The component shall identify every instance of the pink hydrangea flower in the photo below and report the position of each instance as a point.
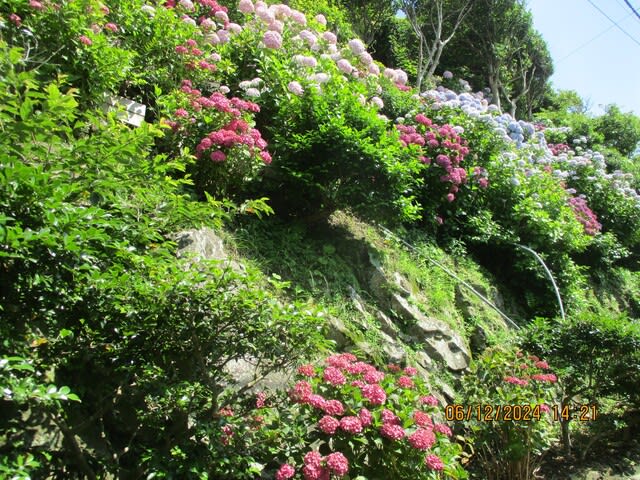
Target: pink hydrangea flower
(316, 401)
(374, 393)
(223, 35)
(112, 27)
(405, 382)
(351, 424)
(329, 424)
(356, 46)
(366, 58)
(307, 370)
(377, 101)
(345, 66)
(365, 417)
(422, 439)
(285, 472)
(338, 463)
(517, 381)
(298, 17)
(321, 19)
(301, 391)
(389, 417)
(313, 459)
(272, 39)
(373, 376)
(276, 26)
(334, 376)
(330, 37)
(442, 428)
(423, 419)
(15, 19)
(312, 472)
(245, 6)
(411, 371)
(218, 156)
(333, 407)
(261, 398)
(295, 88)
(222, 16)
(392, 432)
(85, 40)
(433, 462)
(36, 5)
(544, 377)
(341, 360)
(207, 24)
(266, 157)
(429, 400)
(542, 364)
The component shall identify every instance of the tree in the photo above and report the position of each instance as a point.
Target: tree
(435, 23)
(526, 78)
(498, 46)
(368, 17)
(620, 130)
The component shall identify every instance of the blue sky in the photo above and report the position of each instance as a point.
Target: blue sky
(590, 54)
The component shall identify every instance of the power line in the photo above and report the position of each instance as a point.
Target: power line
(614, 22)
(588, 42)
(632, 9)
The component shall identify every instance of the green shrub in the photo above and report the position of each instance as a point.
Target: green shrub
(346, 417)
(597, 355)
(94, 298)
(506, 403)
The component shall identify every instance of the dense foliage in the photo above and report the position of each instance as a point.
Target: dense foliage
(115, 343)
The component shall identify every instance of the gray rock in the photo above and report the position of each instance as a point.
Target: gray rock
(244, 372)
(402, 284)
(204, 244)
(379, 286)
(392, 349)
(440, 342)
(357, 300)
(386, 324)
(478, 340)
(338, 332)
(424, 360)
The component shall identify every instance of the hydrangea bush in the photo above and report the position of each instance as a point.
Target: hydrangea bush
(347, 418)
(506, 403)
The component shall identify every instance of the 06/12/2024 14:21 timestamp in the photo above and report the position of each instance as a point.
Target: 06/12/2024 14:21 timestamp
(520, 413)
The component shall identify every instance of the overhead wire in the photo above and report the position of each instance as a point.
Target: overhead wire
(632, 9)
(614, 22)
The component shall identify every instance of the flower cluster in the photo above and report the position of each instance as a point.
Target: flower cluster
(529, 370)
(438, 145)
(585, 215)
(235, 131)
(333, 396)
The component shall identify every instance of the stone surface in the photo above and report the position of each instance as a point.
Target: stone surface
(338, 332)
(392, 349)
(440, 342)
(357, 300)
(244, 372)
(478, 340)
(403, 286)
(204, 244)
(386, 324)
